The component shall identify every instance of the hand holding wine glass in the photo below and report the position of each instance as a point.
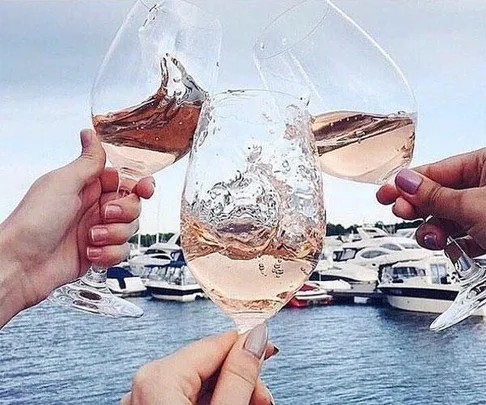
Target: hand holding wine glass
(252, 209)
(145, 107)
(451, 194)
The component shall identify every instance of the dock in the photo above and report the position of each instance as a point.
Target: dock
(357, 294)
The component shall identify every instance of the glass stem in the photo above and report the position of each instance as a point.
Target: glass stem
(96, 275)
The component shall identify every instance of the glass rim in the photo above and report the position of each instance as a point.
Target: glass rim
(291, 44)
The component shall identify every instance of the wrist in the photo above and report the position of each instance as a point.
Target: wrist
(12, 298)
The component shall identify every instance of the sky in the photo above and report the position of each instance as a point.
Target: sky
(51, 51)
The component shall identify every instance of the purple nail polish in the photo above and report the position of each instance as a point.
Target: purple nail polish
(430, 241)
(408, 181)
(94, 253)
(99, 234)
(113, 212)
(256, 341)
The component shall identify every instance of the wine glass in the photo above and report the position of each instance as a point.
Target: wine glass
(253, 218)
(363, 108)
(145, 105)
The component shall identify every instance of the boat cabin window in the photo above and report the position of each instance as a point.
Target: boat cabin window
(348, 254)
(391, 246)
(438, 273)
(400, 273)
(373, 253)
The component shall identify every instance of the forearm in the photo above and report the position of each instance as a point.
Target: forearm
(11, 294)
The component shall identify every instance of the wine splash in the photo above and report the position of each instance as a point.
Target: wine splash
(159, 131)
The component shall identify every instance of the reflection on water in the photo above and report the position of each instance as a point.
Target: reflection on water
(329, 355)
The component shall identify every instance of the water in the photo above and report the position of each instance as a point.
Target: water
(329, 355)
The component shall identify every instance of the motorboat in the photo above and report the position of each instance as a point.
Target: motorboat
(173, 282)
(311, 293)
(123, 283)
(421, 286)
(360, 261)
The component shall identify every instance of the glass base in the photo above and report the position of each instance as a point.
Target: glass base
(78, 295)
(246, 321)
(470, 299)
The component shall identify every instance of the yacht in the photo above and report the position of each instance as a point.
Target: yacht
(123, 283)
(421, 286)
(360, 261)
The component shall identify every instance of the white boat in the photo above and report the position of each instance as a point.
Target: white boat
(122, 282)
(173, 282)
(360, 261)
(421, 286)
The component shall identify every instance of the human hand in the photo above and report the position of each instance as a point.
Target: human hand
(219, 370)
(452, 193)
(70, 218)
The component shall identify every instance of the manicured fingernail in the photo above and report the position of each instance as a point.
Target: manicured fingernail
(94, 253)
(256, 341)
(113, 212)
(270, 396)
(99, 234)
(430, 241)
(86, 138)
(276, 350)
(408, 181)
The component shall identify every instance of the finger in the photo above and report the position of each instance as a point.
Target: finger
(387, 194)
(182, 374)
(241, 368)
(112, 234)
(433, 233)
(145, 188)
(122, 210)
(90, 164)
(105, 256)
(126, 399)
(403, 209)
(109, 180)
(460, 171)
(431, 199)
(261, 395)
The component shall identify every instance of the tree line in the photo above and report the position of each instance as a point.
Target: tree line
(331, 230)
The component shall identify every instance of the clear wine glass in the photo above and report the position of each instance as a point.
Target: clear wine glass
(253, 218)
(145, 104)
(363, 107)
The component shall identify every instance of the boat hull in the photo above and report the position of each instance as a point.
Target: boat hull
(168, 292)
(422, 299)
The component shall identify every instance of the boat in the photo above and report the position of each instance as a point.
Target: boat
(421, 286)
(361, 261)
(173, 282)
(311, 293)
(123, 283)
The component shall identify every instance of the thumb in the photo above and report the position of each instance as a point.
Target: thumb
(90, 164)
(240, 371)
(431, 199)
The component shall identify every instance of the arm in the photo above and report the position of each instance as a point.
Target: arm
(54, 234)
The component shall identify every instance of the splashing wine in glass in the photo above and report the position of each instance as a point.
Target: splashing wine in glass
(146, 103)
(253, 218)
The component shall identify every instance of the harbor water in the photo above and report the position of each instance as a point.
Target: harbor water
(337, 354)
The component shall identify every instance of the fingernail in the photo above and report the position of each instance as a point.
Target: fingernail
(86, 138)
(112, 212)
(272, 399)
(94, 253)
(99, 234)
(276, 350)
(408, 181)
(256, 341)
(430, 241)
(154, 183)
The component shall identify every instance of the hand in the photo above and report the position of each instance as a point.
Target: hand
(218, 370)
(70, 218)
(452, 193)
